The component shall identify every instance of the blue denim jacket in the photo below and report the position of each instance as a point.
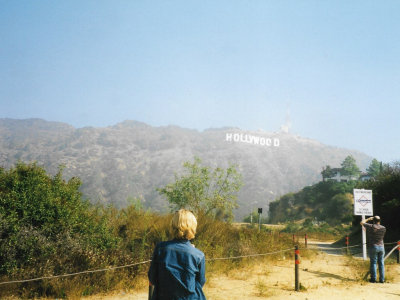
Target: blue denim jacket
(177, 271)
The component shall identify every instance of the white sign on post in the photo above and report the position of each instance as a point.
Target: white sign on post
(363, 202)
(363, 207)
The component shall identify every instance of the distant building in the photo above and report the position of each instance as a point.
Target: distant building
(365, 177)
(336, 175)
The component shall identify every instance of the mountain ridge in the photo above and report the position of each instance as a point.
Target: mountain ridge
(132, 159)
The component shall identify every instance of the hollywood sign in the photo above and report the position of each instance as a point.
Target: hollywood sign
(252, 139)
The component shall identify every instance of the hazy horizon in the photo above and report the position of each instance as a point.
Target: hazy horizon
(328, 70)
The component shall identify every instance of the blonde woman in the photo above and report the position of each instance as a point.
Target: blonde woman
(177, 270)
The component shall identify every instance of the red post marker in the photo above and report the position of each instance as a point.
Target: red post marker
(347, 241)
(305, 240)
(151, 291)
(297, 257)
(398, 252)
(296, 268)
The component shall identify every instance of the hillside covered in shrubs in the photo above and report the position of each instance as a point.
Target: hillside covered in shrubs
(332, 201)
(133, 159)
(48, 229)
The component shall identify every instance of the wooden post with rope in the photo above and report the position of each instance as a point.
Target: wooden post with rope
(151, 291)
(296, 268)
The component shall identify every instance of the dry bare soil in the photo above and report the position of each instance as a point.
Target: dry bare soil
(322, 276)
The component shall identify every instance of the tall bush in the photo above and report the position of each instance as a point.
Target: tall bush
(44, 221)
(386, 198)
(205, 191)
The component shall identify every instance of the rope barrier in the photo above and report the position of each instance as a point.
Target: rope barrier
(331, 248)
(391, 251)
(359, 245)
(147, 261)
(77, 273)
(250, 255)
(391, 243)
(131, 265)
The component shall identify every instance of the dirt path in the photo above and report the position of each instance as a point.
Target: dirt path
(329, 248)
(322, 277)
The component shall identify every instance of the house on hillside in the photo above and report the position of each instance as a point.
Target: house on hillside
(365, 176)
(336, 174)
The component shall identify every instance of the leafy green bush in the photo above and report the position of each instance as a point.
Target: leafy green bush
(386, 199)
(329, 201)
(45, 226)
(205, 190)
(46, 229)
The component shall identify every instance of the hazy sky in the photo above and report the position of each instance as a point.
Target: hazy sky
(199, 64)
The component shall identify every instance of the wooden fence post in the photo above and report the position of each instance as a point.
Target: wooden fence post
(151, 291)
(296, 268)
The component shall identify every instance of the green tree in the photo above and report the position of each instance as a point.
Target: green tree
(349, 166)
(328, 201)
(205, 190)
(340, 209)
(386, 196)
(43, 220)
(375, 167)
(327, 172)
(283, 209)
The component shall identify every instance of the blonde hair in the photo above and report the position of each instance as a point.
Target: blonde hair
(184, 225)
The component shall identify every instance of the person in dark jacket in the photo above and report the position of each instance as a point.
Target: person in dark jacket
(376, 249)
(177, 270)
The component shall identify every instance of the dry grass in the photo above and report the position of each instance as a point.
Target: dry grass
(321, 277)
(140, 231)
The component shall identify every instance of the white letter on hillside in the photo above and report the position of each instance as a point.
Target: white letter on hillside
(229, 137)
(251, 139)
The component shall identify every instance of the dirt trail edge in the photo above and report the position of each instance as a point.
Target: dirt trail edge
(322, 277)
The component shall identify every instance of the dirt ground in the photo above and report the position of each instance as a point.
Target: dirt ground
(322, 276)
